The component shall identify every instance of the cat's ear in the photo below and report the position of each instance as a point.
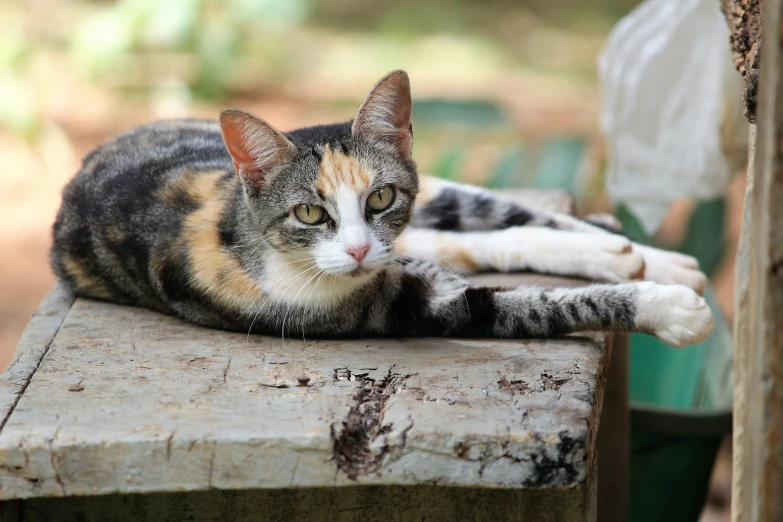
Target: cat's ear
(259, 150)
(385, 115)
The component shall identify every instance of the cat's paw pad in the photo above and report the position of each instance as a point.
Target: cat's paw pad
(672, 268)
(674, 314)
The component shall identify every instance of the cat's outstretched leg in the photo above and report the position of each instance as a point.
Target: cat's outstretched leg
(597, 257)
(452, 207)
(429, 302)
(661, 266)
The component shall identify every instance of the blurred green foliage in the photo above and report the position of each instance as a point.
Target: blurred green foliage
(215, 35)
(415, 17)
(210, 48)
(17, 108)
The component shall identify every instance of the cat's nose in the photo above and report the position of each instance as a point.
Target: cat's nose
(358, 252)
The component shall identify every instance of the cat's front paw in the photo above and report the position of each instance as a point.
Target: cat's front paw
(608, 258)
(674, 314)
(672, 268)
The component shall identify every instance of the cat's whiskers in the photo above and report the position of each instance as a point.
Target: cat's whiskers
(252, 252)
(286, 280)
(284, 284)
(253, 242)
(302, 260)
(290, 280)
(290, 306)
(280, 284)
(256, 243)
(307, 300)
(253, 305)
(293, 302)
(260, 237)
(454, 269)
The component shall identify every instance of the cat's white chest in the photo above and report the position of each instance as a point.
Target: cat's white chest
(300, 282)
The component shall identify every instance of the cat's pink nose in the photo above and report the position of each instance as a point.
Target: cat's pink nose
(358, 252)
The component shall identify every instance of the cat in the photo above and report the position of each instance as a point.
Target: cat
(328, 231)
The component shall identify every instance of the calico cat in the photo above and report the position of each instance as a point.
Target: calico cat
(328, 231)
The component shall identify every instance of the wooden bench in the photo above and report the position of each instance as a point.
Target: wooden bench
(103, 403)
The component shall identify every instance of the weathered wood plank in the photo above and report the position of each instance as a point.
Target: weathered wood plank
(170, 407)
(33, 345)
(614, 441)
(613, 438)
(742, 343)
(759, 377)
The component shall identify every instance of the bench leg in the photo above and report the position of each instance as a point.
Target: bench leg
(614, 438)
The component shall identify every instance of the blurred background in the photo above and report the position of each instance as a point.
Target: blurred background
(506, 95)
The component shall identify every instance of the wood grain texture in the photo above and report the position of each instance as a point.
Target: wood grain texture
(759, 383)
(32, 348)
(742, 340)
(170, 407)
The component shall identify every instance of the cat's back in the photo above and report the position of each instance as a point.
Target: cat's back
(153, 154)
(126, 206)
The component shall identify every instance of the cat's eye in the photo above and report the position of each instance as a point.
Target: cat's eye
(310, 214)
(381, 199)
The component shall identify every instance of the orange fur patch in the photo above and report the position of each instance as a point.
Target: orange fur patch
(457, 256)
(85, 282)
(199, 187)
(213, 269)
(340, 169)
(429, 186)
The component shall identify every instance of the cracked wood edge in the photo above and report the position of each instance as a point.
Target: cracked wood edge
(32, 347)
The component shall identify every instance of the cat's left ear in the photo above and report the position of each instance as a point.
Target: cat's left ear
(385, 115)
(259, 150)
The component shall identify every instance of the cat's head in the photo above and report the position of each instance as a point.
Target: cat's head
(335, 195)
